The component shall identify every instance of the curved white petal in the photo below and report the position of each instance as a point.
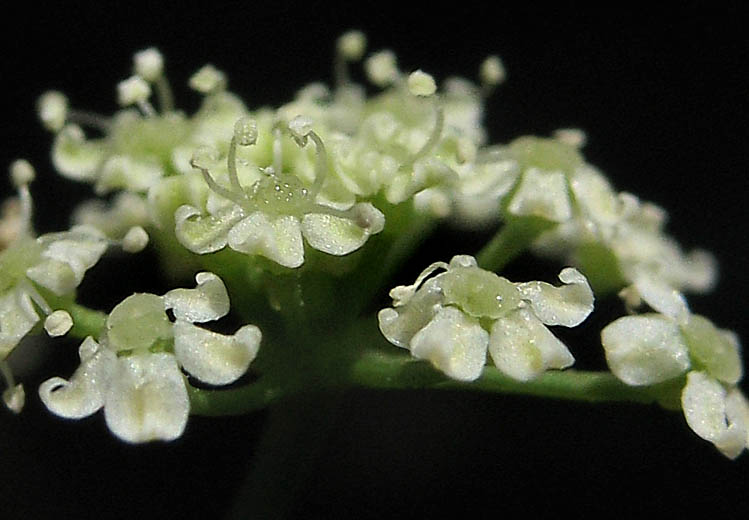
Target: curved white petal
(454, 343)
(147, 399)
(340, 236)
(400, 324)
(205, 233)
(660, 296)
(214, 358)
(737, 412)
(207, 302)
(568, 305)
(17, 318)
(85, 393)
(523, 348)
(14, 398)
(542, 194)
(645, 349)
(74, 156)
(704, 403)
(67, 257)
(128, 173)
(279, 240)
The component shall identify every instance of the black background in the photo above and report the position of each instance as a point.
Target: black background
(662, 95)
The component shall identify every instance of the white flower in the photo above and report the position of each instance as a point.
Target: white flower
(652, 348)
(452, 319)
(133, 372)
(271, 216)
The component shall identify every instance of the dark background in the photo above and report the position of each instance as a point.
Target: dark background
(662, 95)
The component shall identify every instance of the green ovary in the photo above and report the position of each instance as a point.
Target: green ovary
(138, 322)
(479, 293)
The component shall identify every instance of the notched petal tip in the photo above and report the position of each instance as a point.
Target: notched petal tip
(207, 302)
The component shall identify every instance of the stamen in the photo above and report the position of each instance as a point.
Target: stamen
(53, 110)
(58, 323)
(199, 161)
(421, 84)
(149, 64)
(433, 140)
(90, 119)
(349, 48)
(135, 91)
(277, 149)
(245, 134)
(491, 73)
(301, 128)
(135, 240)
(381, 69)
(208, 80)
(22, 173)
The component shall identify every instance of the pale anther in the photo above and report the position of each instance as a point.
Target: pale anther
(149, 64)
(53, 109)
(421, 84)
(21, 172)
(133, 91)
(135, 240)
(351, 45)
(58, 323)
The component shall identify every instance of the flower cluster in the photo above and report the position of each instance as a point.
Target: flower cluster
(655, 347)
(133, 371)
(273, 199)
(37, 275)
(452, 319)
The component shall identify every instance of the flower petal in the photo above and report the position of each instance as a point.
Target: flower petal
(208, 302)
(340, 236)
(205, 233)
(454, 343)
(279, 240)
(704, 403)
(523, 348)
(68, 256)
(568, 305)
(716, 351)
(214, 358)
(147, 399)
(401, 324)
(74, 156)
(542, 194)
(17, 318)
(128, 173)
(645, 349)
(85, 393)
(660, 296)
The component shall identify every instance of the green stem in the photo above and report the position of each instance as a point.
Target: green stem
(86, 322)
(513, 239)
(398, 372)
(244, 399)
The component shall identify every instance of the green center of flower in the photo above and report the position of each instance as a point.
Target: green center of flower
(138, 323)
(280, 195)
(479, 293)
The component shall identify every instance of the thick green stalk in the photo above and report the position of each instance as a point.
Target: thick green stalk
(514, 238)
(399, 372)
